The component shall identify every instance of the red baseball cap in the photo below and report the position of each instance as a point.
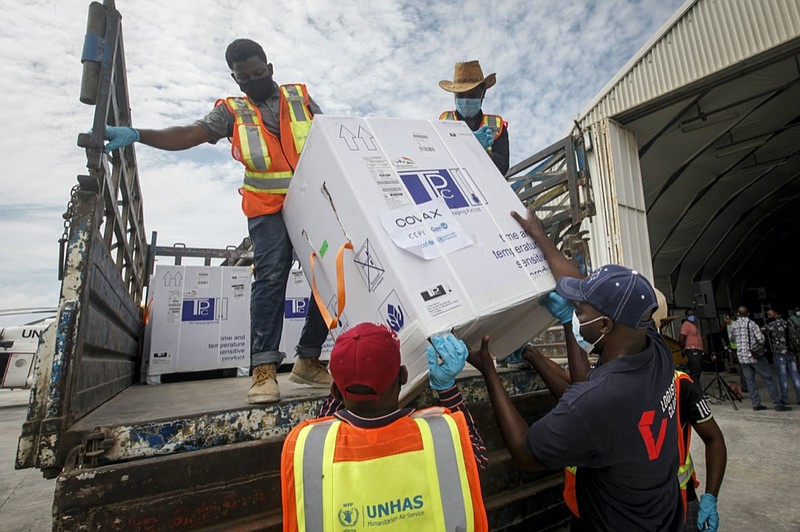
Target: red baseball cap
(366, 355)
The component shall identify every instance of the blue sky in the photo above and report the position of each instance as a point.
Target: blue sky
(358, 57)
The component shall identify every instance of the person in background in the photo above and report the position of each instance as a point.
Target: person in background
(469, 87)
(692, 344)
(749, 338)
(373, 463)
(794, 317)
(267, 128)
(785, 362)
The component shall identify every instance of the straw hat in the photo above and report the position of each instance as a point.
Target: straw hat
(466, 77)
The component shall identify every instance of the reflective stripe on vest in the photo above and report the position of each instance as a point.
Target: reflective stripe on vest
(493, 122)
(685, 472)
(330, 495)
(251, 149)
(299, 115)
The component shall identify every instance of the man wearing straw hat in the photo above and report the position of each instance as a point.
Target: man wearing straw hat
(469, 87)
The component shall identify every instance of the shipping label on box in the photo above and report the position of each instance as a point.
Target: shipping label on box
(434, 245)
(200, 318)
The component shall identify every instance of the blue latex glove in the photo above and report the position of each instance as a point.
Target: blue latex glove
(707, 516)
(120, 137)
(560, 308)
(485, 136)
(453, 353)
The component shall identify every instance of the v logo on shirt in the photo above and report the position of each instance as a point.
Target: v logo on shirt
(646, 429)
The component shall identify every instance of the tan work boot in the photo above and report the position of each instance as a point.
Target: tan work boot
(265, 385)
(312, 372)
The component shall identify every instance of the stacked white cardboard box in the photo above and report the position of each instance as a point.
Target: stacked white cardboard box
(434, 247)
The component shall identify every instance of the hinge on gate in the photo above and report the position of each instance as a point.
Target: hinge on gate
(88, 453)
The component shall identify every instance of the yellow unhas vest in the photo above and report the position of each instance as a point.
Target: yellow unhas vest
(357, 496)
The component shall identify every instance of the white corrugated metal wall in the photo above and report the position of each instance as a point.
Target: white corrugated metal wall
(618, 234)
(702, 38)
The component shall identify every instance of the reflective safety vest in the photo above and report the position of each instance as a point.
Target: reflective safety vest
(269, 162)
(493, 122)
(418, 473)
(685, 471)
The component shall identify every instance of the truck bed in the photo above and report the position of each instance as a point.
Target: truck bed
(143, 403)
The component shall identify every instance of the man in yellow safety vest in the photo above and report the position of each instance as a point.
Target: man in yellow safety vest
(374, 465)
(267, 128)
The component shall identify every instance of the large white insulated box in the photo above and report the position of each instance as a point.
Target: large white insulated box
(434, 247)
(294, 315)
(199, 319)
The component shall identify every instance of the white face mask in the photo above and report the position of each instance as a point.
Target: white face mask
(576, 331)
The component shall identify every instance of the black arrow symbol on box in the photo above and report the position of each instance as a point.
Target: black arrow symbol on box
(352, 138)
(349, 137)
(366, 136)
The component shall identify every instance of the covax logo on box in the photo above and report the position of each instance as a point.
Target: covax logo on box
(454, 186)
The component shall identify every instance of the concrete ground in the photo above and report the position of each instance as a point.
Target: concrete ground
(760, 490)
(26, 499)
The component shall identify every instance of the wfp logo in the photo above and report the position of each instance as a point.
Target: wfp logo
(395, 317)
(348, 515)
(198, 309)
(454, 186)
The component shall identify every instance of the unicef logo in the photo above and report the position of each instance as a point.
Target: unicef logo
(348, 515)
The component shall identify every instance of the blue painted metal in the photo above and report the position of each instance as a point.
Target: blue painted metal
(205, 431)
(93, 46)
(65, 332)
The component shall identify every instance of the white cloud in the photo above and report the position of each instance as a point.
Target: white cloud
(358, 57)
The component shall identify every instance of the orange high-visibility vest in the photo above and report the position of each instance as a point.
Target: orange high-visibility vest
(685, 471)
(418, 473)
(269, 162)
(493, 122)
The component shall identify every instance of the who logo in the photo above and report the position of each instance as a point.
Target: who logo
(455, 186)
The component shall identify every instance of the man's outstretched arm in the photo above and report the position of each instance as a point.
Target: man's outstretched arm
(174, 138)
(559, 264)
(512, 425)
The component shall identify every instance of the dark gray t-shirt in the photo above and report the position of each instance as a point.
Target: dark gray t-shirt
(219, 122)
(619, 428)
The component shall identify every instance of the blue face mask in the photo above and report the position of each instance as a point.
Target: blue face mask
(576, 332)
(691, 318)
(468, 107)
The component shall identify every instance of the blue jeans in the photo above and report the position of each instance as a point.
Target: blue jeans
(272, 257)
(762, 368)
(787, 368)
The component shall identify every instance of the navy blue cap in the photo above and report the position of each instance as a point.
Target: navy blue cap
(620, 293)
